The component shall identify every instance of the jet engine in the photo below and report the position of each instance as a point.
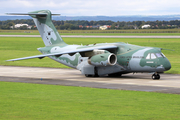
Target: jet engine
(103, 59)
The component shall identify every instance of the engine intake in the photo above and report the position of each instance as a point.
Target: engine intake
(103, 59)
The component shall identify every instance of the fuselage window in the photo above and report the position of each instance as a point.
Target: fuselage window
(153, 56)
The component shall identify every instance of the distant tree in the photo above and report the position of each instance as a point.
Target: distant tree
(23, 27)
(33, 28)
(72, 27)
(74, 24)
(62, 27)
(10, 25)
(113, 26)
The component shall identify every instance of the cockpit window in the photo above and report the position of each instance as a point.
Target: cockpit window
(153, 56)
(148, 56)
(159, 55)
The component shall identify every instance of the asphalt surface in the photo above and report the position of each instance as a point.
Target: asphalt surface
(94, 36)
(70, 77)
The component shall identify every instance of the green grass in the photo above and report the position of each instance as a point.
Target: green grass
(19, 32)
(21, 47)
(125, 34)
(140, 32)
(35, 101)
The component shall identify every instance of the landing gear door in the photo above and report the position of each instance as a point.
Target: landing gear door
(84, 67)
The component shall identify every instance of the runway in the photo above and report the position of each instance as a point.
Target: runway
(94, 36)
(70, 77)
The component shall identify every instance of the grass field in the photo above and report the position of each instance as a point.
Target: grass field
(37, 101)
(146, 32)
(22, 47)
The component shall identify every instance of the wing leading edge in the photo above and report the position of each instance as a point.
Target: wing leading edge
(67, 52)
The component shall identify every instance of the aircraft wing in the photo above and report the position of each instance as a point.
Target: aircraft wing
(80, 50)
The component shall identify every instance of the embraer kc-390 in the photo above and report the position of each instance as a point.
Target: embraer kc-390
(112, 59)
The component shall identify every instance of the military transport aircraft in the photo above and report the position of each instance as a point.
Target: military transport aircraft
(112, 59)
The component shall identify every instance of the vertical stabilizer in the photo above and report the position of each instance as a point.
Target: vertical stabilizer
(46, 28)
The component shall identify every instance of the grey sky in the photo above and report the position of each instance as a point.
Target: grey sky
(93, 7)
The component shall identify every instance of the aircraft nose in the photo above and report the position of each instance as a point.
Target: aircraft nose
(167, 64)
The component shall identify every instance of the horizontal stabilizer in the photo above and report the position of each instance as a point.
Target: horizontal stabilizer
(40, 14)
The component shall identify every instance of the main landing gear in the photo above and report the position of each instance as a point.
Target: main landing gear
(95, 73)
(114, 74)
(155, 76)
(87, 75)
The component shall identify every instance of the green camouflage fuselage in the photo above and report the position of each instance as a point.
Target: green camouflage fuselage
(96, 59)
(130, 58)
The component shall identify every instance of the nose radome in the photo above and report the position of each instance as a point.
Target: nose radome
(167, 65)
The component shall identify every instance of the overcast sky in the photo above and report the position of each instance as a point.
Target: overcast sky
(93, 7)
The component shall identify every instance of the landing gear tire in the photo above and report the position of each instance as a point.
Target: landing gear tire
(96, 75)
(155, 76)
(87, 75)
(114, 75)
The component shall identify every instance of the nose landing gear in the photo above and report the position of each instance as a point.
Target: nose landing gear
(155, 76)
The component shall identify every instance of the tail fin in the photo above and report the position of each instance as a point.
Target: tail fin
(45, 27)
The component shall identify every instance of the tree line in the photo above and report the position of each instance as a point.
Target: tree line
(84, 24)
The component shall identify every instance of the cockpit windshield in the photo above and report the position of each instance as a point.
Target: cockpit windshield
(159, 55)
(155, 55)
(148, 56)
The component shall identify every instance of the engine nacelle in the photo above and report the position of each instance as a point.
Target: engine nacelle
(103, 59)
